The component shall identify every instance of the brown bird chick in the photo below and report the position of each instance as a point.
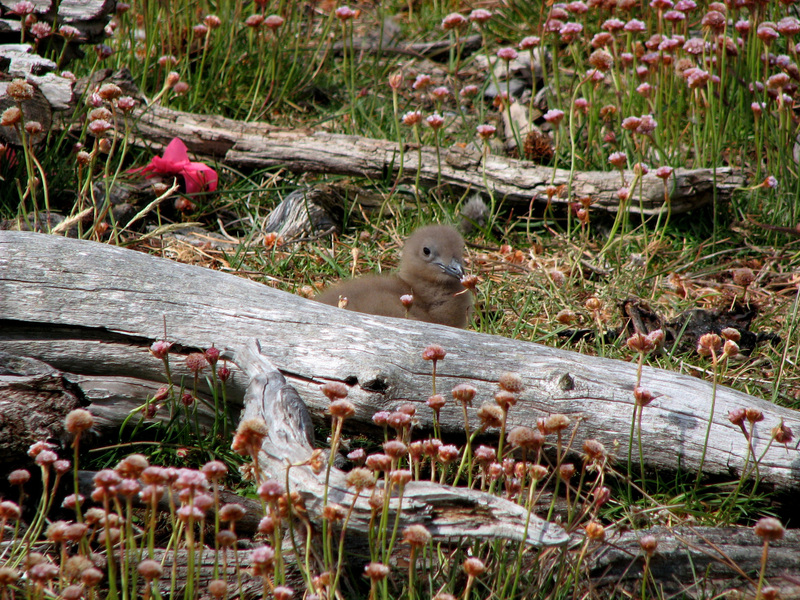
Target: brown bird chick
(431, 269)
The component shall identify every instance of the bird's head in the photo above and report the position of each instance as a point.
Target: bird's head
(433, 253)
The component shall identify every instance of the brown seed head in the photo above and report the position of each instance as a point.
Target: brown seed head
(91, 577)
(360, 479)
(511, 382)
(217, 588)
(132, 466)
(379, 462)
(249, 435)
(737, 416)
(594, 450)
(730, 348)
(729, 333)
(601, 60)
(334, 513)
(595, 531)
(781, 433)
(9, 511)
(464, 393)
(231, 512)
(78, 421)
(400, 477)
(505, 399)
(431, 447)
(196, 362)
(399, 420)
(474, 567)
(334, 390)
(640, 343)
(11, 116)
(447, 453)
(490, 415)
(19, 477)
(557, 422)
(642, 396)
(648, 543)
(19, 90)
(408, 408)
(602, 495)
(433, 352)
(109, 91)
(376, 571)
(743, 277)
(708, 343)
(342, 409)
(436, 402)
(416, 535)
(149, 569)
(566, 471)
(566, 316)
(226, 538)
(769, 529)
(525, 437)
(754, 415)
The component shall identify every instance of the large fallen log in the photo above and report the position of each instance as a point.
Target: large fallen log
(518, 184)
(93, 310)
(514, 182)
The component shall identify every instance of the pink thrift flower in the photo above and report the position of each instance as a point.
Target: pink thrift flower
(435, 121)
(486, 131)
(453, 21)
(530, 42)
(554, 116)
(507, 54)
(480, 16)
(664, 172)
(345, 13)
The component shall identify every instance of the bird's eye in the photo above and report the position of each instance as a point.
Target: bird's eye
(426, 251)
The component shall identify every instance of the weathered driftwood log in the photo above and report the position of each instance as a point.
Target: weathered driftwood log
(93, 309)
(698, 562)
(258, 145)
(447, 512)
(89, 17)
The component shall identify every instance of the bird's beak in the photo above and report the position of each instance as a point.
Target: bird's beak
(454, 269)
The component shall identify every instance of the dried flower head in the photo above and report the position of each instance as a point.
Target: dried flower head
(249, 436)
(557, 422)
(491, 415)
(453, 21)
(149, 569)
(78, 421)
(342, 409)
(781, 433)
(743, 277)
(19, 90)
(334, 390)
(360, 479)
(376, 571)
(525, 437)
(474, 567)
(11, 116)
(416, 535)
(464, 393)
(709, 343)
(594, 451)
(769, 529)
(595, 531)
